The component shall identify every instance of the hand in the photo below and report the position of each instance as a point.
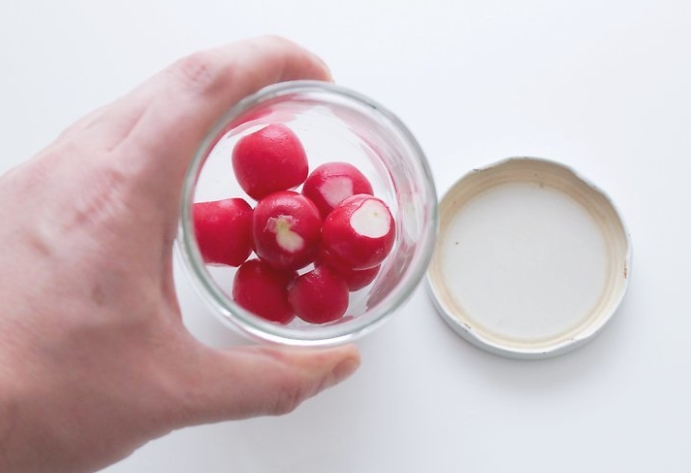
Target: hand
(94, 358)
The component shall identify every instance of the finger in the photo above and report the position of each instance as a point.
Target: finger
(260, 380)
(191, 95)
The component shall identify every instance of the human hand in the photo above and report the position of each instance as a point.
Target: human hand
(94, 358)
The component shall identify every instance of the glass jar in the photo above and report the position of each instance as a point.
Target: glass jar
(333, 124)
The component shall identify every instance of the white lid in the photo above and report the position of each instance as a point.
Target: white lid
(531, 259)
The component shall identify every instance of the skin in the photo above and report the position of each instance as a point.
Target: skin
(94, 358)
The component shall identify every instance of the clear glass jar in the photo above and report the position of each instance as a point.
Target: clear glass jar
(333, 124)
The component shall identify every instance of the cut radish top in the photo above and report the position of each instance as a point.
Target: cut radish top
(336, 190)
(359, 232)
(331, 183)
(287, 230)
(372, 219)
(286, 238)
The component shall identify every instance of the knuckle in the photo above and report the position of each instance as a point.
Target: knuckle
(197, 71)
(292, 389)
(100, 199)
(295, 390)
(288, 399)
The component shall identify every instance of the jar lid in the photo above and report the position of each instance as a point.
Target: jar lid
(531, 261)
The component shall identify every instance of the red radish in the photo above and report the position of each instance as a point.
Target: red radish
(287, 230)
(331, 183)
(354, 279)
(224, 230)
(269, 160)
(319, 296)
(359, 232)
(263, 290)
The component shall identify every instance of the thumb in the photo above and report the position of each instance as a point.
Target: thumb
(261, 380)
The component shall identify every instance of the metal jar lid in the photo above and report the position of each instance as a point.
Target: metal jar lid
(531, 261)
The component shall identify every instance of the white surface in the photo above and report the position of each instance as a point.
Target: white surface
(602, 86)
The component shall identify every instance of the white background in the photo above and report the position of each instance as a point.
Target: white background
(603, 86)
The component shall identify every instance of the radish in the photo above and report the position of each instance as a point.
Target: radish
(269, 160)
(359, 232)
(287, 230)
(223, 229)
(263, 290)
(355, 279)
(319, 296)
(331, 183)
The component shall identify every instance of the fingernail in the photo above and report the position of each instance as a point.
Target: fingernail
(326, 68)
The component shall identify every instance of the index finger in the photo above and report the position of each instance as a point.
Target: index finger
(162, 122)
